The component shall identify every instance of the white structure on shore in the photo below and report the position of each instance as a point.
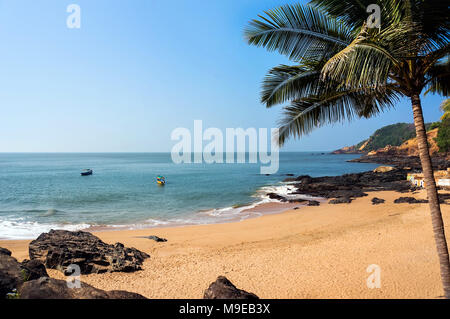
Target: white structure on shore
(442, 178)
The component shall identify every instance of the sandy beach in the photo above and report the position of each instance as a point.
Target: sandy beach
(311, 252)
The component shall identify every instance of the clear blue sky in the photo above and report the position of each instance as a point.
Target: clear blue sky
(138, 69)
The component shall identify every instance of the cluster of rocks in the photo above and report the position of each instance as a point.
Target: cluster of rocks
(344, 188)
(410, 200)
(29, 280)
(377, 201)
(404, 161)
(58, 249)
(295, 200)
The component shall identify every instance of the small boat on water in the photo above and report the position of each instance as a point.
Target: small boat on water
(161, 180)
(86, 172)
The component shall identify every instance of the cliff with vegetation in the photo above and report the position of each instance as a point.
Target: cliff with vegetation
(380, 148)
(394, 135)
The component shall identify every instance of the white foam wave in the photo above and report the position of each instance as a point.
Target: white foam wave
(19, 229)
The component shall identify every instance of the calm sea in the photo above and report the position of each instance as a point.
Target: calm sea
(43, 191)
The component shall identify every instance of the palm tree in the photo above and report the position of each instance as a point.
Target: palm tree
(445, 107)
(345, 69)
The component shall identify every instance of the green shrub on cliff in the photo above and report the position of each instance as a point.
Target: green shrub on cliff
(443, 136)
(393, 135)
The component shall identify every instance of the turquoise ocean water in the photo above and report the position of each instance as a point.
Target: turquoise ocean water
(43, 191)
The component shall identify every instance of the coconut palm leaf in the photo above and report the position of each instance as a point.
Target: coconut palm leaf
(330, 106)
(445, 107)
(298, 31)
(355, 12)
(438, 78)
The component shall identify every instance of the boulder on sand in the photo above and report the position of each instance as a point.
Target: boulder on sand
(340, 200)
(383, 169)
(376, 201)
(33, 269)
(410, 200)
(10, 273)
(49, 288)
(222, 288)
(58, 249)
(29, 280)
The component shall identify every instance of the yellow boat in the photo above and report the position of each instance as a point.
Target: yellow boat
(160, 180)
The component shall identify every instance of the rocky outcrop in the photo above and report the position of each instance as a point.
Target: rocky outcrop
(294, 200)
(33, 269)
(277, 197)
(440, 161)
(58, 249)
(49, 288)
(377, 201)
(313, 203)
(29, 280)
(383, 169)
(407, 155)
(340, 200)
(4, 251)
(13, 274)
(348, 150)
(222, 288)
(410, 200)
(351, 186)
(10, 273)
(155, 238)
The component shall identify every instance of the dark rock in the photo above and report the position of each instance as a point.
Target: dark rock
(10, 274)
(305, 179)
(33, 269)
(297, 200)
(58, 249)
(13, 274)
(313, 203)
(376, 201)
(352, 185)
(277, 197)
(30, 280)
(440, 162)
(4, 251)
(156, 238)
(295, 208)
(443, 198)
(410, 200)
(340, 200)
(49, 288)
(222, 288)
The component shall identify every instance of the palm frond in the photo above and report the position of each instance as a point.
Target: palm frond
(363, 63)
(438, 78)
(308, 113)
(298, 31)
(354, 12)
(285, 83)
(445, 107)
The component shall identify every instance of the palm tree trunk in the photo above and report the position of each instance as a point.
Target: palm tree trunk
(433, 199)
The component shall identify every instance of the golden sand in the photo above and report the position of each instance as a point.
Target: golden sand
(312, 252)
